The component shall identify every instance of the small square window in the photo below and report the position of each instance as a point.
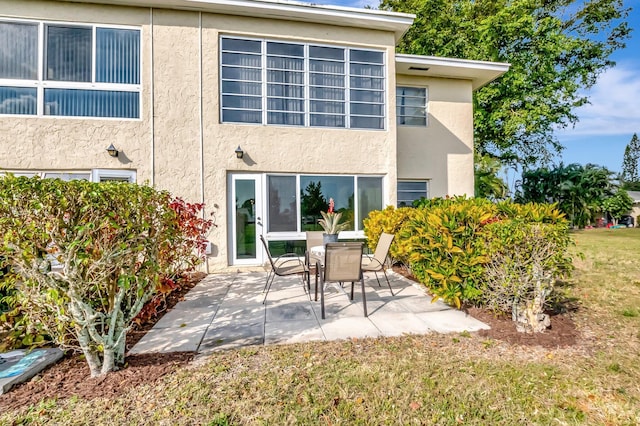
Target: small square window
(412, 190)
(411, 106)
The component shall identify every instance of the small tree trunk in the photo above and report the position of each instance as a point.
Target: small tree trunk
(108, 361)
(93, 360)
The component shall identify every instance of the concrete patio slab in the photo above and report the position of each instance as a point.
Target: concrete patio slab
(225, 311)
(349, 328)
(292, 331)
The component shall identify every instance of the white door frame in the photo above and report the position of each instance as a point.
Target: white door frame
(257, 219)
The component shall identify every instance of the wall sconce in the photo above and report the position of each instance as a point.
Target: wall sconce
(239, 152)
(112, 151)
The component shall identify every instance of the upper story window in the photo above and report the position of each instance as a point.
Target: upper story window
(69, 70)
(411, 106)
(297, 84)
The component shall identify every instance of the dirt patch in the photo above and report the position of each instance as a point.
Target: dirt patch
(71, 376)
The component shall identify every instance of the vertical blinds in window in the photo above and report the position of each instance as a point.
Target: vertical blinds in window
(269, 82)
(90, 71)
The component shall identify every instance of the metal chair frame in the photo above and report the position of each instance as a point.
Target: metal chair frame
(293, 265)
(347, 257)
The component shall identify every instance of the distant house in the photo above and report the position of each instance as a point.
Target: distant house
(261, 109)
(635, 210)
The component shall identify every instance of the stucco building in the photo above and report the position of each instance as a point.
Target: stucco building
(313, 98)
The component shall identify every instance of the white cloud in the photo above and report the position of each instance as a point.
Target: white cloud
(614, 108)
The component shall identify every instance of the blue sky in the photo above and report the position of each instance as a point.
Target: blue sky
(609, 122)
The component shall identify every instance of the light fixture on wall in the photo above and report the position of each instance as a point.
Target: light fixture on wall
(112, 151)
(239, 152)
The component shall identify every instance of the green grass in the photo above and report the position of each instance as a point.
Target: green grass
(435, 379)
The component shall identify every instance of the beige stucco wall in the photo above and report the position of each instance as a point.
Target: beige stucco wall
(179, 144)
(77, 143)
(442, 152)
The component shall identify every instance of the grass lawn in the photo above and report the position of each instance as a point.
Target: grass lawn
(434, 379)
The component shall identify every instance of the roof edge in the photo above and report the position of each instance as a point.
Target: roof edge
(480, 73)
(395, 22)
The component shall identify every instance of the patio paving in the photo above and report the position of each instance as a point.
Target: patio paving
(225, 311)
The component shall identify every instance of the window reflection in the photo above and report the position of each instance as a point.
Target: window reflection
(315, 192)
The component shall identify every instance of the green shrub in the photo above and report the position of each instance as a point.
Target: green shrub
(526, 259)
(447, 242)
(389, 220)
(88, 256)
(441, 245)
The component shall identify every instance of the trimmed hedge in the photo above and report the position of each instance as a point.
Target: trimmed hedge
(446, 242)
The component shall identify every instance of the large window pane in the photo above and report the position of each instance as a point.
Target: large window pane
(68, 54)
(369, 197)
(282, 204)
(315, 194)
(18, 100)
(18, 51)
(117, 56)
(92, 103)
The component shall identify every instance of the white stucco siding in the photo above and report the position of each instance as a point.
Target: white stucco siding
(442, 152)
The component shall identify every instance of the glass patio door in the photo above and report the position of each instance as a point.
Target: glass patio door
(246, 224)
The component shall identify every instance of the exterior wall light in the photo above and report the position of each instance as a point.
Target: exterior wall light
(112, 151)
(239, 152)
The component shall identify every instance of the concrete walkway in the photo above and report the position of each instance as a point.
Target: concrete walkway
(225, 311)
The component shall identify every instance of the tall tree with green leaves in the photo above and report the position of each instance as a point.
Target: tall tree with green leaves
(578, 190)
(556, 49)
(487, 182)
(630, 162)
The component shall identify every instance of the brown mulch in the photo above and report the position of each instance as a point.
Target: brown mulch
(562, 333)
(71, 376)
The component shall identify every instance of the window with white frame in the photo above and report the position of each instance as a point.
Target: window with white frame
(95, 175)
(72, 70)
(298, 84)
(411, 106)
(411, 190)
(295, 201)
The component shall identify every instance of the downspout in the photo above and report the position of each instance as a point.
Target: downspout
(206, 261)
(152, 107)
